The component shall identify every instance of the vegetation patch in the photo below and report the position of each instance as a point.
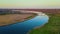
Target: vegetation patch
(52, 27)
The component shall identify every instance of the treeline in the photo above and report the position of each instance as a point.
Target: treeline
(4, 12)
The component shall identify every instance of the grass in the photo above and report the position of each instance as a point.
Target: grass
(52, 27)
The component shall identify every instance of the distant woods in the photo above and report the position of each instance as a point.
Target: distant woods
(7, 11)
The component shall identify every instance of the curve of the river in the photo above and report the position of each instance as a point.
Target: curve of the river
(25, 26)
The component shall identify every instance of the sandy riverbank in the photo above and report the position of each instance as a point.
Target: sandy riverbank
(13, 18)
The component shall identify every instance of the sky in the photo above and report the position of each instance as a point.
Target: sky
(29, 3)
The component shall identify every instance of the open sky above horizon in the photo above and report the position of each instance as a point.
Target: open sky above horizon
(29, 3)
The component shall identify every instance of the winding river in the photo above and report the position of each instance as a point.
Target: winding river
(25, 26)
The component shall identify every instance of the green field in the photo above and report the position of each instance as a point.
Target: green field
(52, 27)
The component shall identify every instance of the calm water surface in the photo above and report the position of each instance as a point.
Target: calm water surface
(25, 26)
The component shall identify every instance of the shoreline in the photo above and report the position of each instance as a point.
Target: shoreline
(52, 26)
(33, 14)
(28, 17)
(39, 26)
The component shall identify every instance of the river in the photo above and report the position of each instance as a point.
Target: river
(25, 26)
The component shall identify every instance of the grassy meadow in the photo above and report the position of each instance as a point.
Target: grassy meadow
(52, 27)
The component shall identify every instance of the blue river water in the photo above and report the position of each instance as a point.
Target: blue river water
(25, 26)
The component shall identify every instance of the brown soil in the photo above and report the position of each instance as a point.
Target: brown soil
(13, 18)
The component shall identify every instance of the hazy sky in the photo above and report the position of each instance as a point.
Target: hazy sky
(29, 3)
